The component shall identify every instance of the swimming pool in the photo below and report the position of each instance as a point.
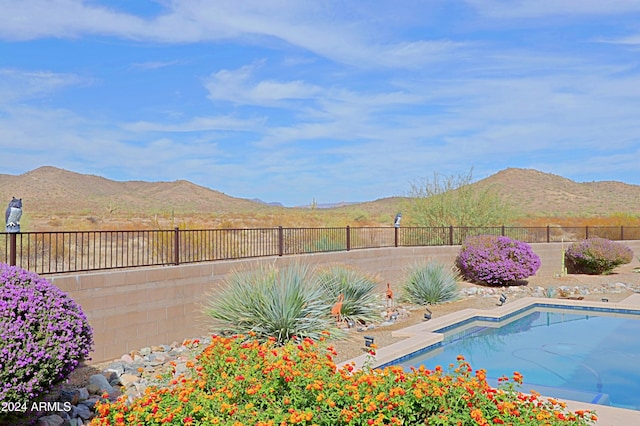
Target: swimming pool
(588, 355)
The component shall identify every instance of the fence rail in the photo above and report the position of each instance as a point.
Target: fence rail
(76, 251)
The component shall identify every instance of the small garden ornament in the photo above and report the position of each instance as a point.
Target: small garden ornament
(389, 295)
(337, 308)
(12, 215)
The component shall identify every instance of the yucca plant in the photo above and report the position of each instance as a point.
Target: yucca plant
(272, 302)
(430, 283)
(359, 303)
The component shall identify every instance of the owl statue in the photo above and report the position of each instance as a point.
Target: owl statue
(13, 214)
(396, 221)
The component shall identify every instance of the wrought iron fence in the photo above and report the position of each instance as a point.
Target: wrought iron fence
(75, 251)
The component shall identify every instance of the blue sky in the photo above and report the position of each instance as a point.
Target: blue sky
(294, 101)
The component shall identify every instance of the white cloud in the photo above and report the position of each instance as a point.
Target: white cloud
(17, 85)
(541, 8)
(154, 65)
(198, 124)
(237, 86)
(33, 19)
(304, 25)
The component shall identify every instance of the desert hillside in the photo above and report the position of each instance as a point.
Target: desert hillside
(56, 199)
(545, 194)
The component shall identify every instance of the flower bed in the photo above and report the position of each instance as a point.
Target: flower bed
(240, 381)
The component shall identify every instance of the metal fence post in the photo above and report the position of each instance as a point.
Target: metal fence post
(502, 230)
(176, 246)
(450, 235)
(395, 235)
(348, 238)
(280, 241)
(548, 234)
(12, 249)
(621, 232)
(586, 232)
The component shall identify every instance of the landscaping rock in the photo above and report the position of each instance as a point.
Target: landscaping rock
(100, 381)
(51, 420)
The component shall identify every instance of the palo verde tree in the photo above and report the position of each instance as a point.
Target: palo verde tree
(455, 200)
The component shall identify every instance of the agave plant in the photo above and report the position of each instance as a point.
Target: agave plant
(359, 301)
(272, 302)
(430, 283)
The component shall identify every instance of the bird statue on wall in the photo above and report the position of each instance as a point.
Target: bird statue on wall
(12, 215)
(396, 221)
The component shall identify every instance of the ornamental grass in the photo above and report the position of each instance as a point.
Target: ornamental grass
(272, 302)
(240, 380)
(430, 283)
(360, 303)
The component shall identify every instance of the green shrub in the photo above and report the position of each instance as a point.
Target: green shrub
(430, 283)
(272, 302)
(596, 256)
(360, 302)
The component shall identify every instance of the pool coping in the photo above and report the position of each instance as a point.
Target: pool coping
(425, 334)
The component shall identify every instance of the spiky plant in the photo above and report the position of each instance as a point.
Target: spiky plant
(272, 302)
(430, 283)
(360, 304)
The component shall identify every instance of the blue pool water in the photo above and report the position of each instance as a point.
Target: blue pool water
(588, 356)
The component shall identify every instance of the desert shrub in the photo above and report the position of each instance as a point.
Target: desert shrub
(496, 260)
(271, 302)
(323, 244)
(430, 283)
(44, 335)
(360, 303)
(237, 380)
(596, 256)
(455, 200)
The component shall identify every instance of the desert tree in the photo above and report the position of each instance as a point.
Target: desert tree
(445, 200)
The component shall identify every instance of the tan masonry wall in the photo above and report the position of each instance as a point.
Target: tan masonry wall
(133, 308)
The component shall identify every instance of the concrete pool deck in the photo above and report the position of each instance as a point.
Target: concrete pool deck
(422, 335)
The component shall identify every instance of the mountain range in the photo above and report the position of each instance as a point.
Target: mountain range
(52, 192)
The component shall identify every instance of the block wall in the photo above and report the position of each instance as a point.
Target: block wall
(133, 308)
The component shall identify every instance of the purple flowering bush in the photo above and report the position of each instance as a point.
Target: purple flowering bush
(596, 256)
(496, 260)
(44, 335)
